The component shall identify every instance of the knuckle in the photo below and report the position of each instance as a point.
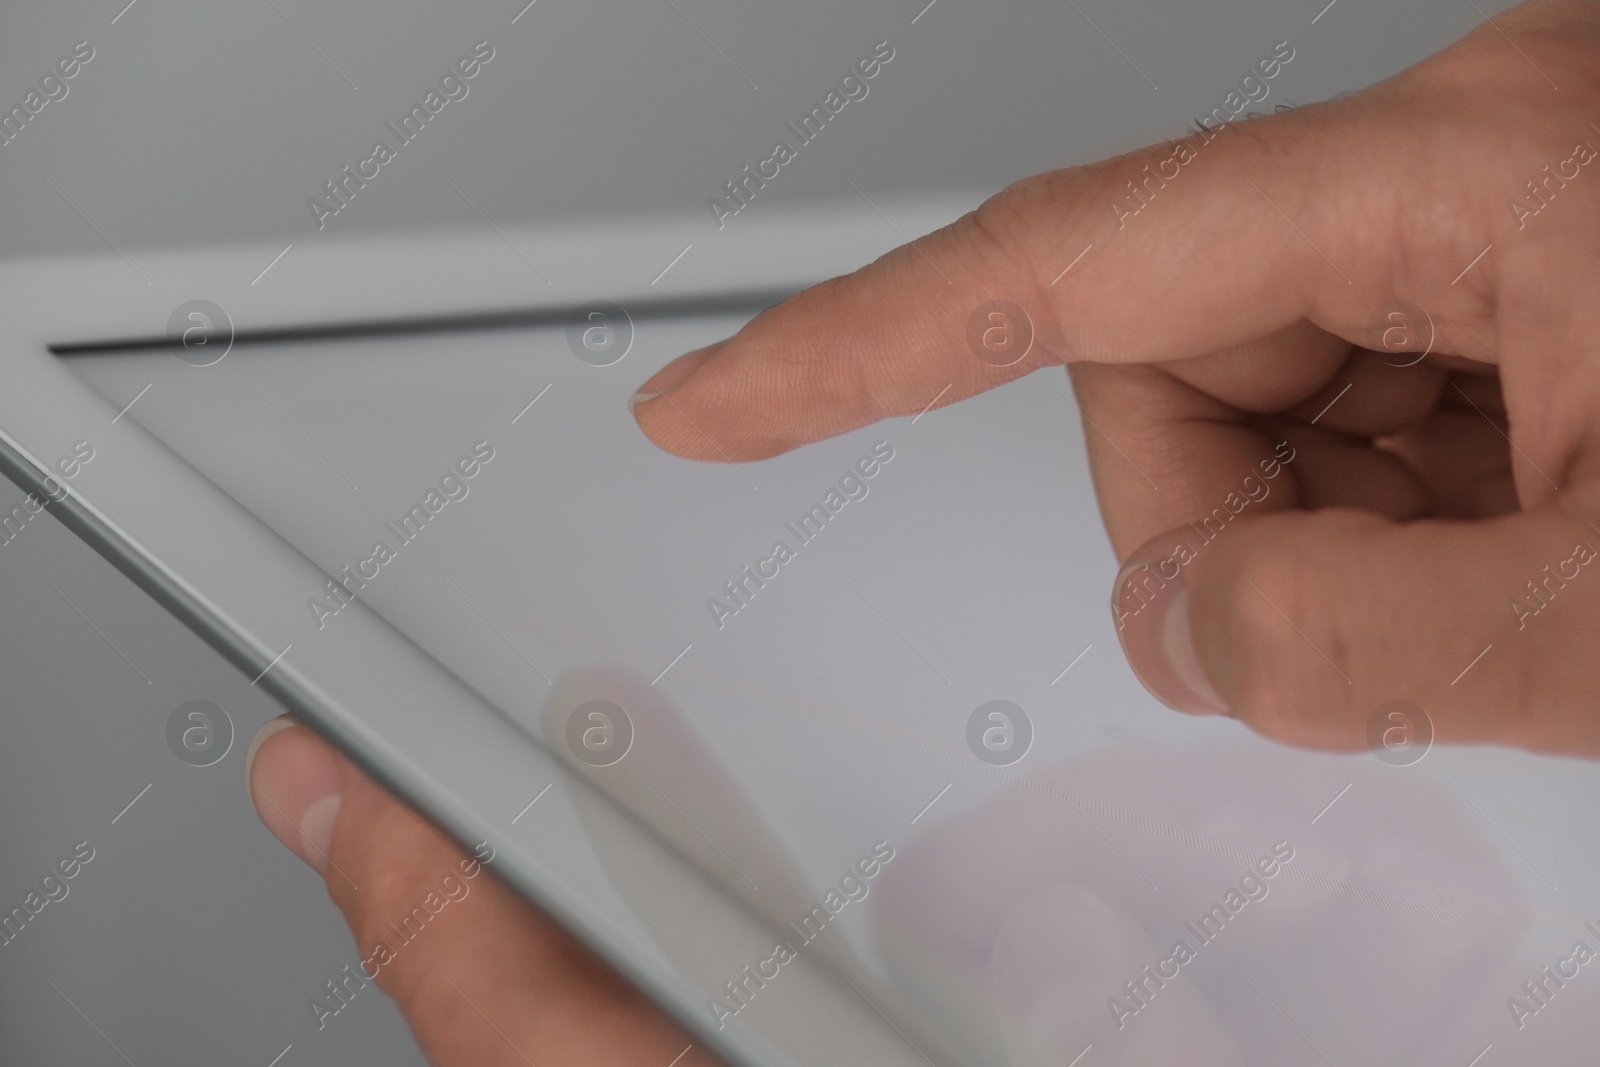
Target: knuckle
(1022, 220)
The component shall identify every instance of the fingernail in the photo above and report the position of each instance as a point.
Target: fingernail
(272, 726)
(295, 787)
(1150, 605)
(672, 374)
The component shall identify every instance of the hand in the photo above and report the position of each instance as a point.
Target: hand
(1310, 527)
(1207, 335)
(1016, 924)
(487, 981)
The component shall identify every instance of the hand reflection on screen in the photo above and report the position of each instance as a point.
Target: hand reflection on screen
(1166, 904)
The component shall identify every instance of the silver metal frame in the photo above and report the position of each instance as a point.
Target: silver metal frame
(421, 731)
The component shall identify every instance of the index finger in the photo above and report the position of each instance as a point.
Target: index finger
(1171, 252)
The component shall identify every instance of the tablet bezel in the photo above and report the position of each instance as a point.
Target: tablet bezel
(140, 505)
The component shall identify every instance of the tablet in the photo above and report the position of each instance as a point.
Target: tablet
(834, 755)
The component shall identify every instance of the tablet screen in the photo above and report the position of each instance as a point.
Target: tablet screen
(872, 689)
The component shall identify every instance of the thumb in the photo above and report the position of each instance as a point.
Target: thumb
(483, 978)
(1305, 625)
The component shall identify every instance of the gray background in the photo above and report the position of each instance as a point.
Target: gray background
(212, 122)
(193, 937)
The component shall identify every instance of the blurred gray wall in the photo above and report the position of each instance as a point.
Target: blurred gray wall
(214, 121)
(192, 936)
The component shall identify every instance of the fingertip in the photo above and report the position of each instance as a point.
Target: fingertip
(296, 786)
(673, 374)
(1150, 603)
(662, 417)
(269, 729)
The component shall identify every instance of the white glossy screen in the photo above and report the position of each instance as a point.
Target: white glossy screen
(792, 717)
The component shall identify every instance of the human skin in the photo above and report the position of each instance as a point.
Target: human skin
(1218, 322)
